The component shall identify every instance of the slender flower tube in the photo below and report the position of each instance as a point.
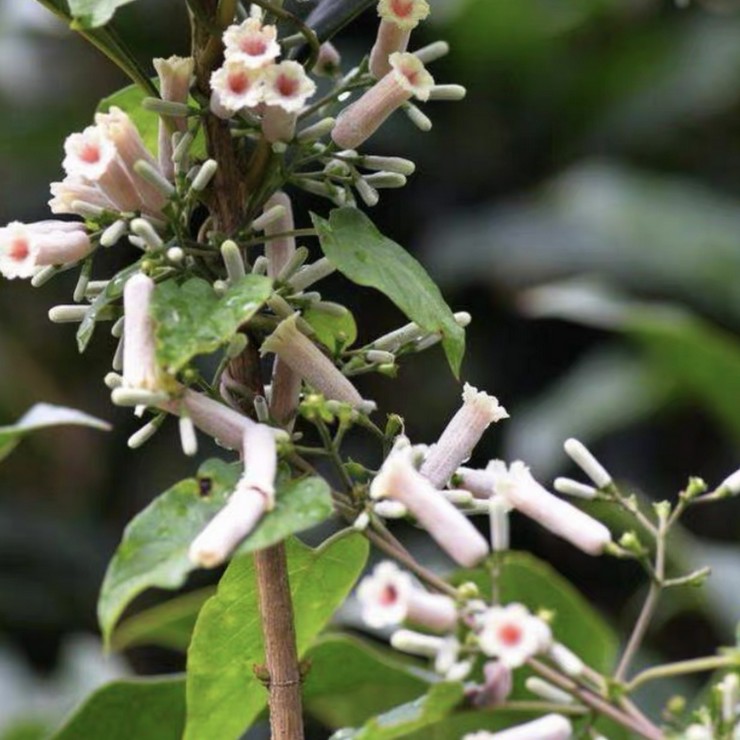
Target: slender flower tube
(175, 75)
(75, 190)
(139, 361)
(566, 660)
(388, 597)
(400, 481)
(496, 687)
(286, 89)
(478, 482)
(228, 528)
(549, 727)
(93, 156)
(279, 251)
(731, 484)
(511, 634)
(305, 358)
(24, 248)
(251, 43)
(260, 461)
(397, 19)
(234, 86)
(517, 486)
(417, 643)
(581, 456)
(408, 78)
(478, 412)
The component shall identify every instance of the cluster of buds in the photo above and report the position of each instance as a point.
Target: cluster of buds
(251, 80)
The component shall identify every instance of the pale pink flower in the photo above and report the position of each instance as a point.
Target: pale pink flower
(496, 687)
(400, 481)
(549, 727)
(513, 635)
(462, 434)
(252, 43)
(398, 18)
(517, 486)
(306, 359)
(235, 86)
(139, 359)
(279, 251)
(73, 190)
(287, 86)
(24, 248)
(175, 75)
(408, 78)
(389, 597)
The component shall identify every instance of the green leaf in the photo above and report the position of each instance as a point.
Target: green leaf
(299, 505)
(154, 548)
(224, 696)
(191, 319)
(335, 332)
(113, 291)
(169, 624)
(350, 241)
(44, 415)
(93, 13)
(144, 708)
(537, 585)
(427, 710)
(351, 680)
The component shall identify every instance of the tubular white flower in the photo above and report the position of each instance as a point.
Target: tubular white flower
(478, 482)
(139, 361)
(453, 532)
(417, 643)
(432, 52)
(278, 125)
(511, 634)
(478, 412)
(499, 514)
(549, 727)
(287, 86)
(228, 528)
(279, 251)
(252, 43)
(93, 156)
(547, 691)
(389, 597)
(408, 78)
(260, 461)
(582, 457)
(306, 359)
(517, 486)
(235, 86)
(496, 687)
(570, 487)
(390, 509)
(731, 483)
(397, 19)
(729, 688)
(175, 74)
(26, 247)
(566, 659)
(76, 190)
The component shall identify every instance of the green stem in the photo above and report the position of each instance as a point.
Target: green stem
(697, 665)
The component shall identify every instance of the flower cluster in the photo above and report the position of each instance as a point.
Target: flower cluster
(252, 81)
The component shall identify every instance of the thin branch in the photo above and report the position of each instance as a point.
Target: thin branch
(681, 668)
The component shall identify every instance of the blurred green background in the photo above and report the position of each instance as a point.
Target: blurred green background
(597, 152)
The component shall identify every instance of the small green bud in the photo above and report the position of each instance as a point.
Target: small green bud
(631, 543)
(189, 375)
(468, 590)
(394, 426)
(662, 510)
(388, 369)
(695, 487)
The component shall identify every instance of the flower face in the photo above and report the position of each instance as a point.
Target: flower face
(512, 634)
(18, 251)
(252, 43)
(411, 74)
(405, 14)
(287, 86)
(237, 85)
(384, 595)
(88, 154)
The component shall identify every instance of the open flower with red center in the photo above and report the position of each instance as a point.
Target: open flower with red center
(24, 248)
(251, 42)
(397, 19)
(287, 86)
(511, 634)
(388, 597)
(235, 85)
(404, 13)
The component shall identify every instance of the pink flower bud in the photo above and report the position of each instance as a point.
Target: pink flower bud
(549, 727)
(71, 190)
(408, 78)
(517, 486)
(285, 395)
(461, 435)
(398, 18)
(478, 482)
(306, 359)
(388, 597)
(496, 687)
(329, 60)
(252, 43)
(175, 75)
(279, 251)
(400, 481)
(139, 359)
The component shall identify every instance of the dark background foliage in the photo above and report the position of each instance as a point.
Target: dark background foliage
(600, 139)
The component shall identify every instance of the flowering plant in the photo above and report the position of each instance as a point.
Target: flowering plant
(220, 325)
